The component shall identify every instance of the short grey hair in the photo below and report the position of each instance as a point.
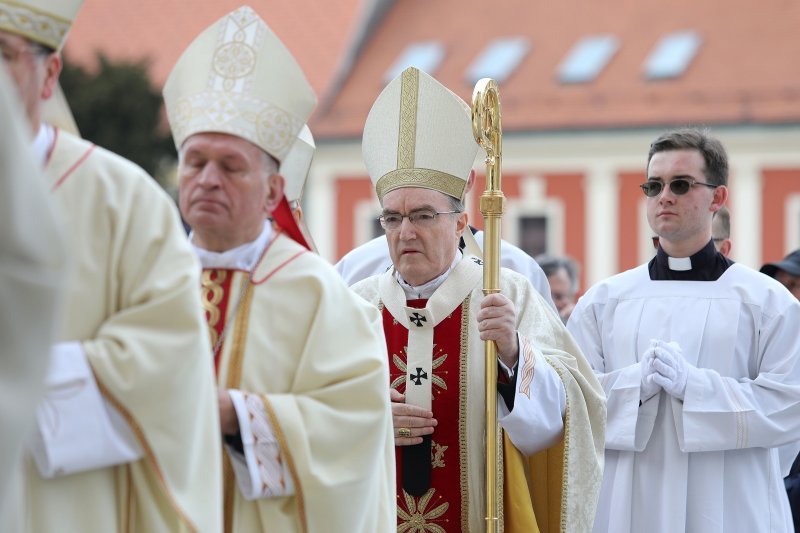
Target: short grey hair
(551, 265)
(455, 204)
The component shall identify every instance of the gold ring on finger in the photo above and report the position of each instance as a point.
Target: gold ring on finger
(403, 432)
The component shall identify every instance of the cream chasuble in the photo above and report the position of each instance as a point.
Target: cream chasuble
(295, 336)
(560, 479)
(132, 303)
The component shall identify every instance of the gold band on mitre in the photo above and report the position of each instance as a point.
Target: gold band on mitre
(419, 134)
(46, 22)
(421, 177)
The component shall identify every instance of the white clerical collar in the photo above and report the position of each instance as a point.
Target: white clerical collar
(43, 142)
(426, 290)
(242, 257)
(679, 263)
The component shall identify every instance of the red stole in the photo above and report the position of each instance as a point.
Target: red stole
(442, 504)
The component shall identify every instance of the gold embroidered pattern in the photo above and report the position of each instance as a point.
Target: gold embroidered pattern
(420, 177)
(437, 455)
(462, 413)
(211, 282)
(407, 138)
(566, 439)
(527, 372)
(417, 518)
(436, 380)
(41, 27)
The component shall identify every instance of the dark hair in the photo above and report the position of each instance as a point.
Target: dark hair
(716, 159)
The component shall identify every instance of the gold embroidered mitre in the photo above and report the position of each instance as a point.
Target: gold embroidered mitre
(238, 78)
(44, 21)
(419, 134)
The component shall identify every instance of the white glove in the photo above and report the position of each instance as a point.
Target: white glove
(648, 387)
(672, 370)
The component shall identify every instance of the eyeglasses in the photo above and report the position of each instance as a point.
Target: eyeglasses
(678, 186)
(421, 219)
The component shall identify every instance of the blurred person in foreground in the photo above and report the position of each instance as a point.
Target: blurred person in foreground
(436, 318)
(563, 276)
(32, 259)
(301, 364)
(699, 359)
(124, 440)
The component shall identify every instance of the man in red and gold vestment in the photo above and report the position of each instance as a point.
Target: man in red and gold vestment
(419, 149)
(301, 362)
(120, 444)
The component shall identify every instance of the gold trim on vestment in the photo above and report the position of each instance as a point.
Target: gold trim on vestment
(129, 499)
(462, 413)
(146, 449)
(421, 177)
(565, 468)
(284, 444)
(211, 303)
(528, 368)
(233, 381)
(45, 28)
(407, 136)
(236, 360)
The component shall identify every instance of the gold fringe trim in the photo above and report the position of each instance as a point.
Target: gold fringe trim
(273, 420)
(462, 413)
(148, 451)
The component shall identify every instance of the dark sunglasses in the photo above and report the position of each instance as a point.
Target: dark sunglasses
(678, 186)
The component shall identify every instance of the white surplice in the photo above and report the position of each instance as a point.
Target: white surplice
(709, 463)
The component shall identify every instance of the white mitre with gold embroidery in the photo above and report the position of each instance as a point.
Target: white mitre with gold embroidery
(44, 21)
(238, 78)
(419, 134)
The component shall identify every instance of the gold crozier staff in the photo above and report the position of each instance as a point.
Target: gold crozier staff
(487, 130)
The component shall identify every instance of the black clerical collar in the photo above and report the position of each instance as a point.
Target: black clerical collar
(706, 265)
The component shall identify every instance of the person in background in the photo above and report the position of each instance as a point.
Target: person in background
(786, 272)
(563, 276)
(721, 231)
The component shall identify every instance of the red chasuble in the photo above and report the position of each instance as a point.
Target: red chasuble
(443, 507)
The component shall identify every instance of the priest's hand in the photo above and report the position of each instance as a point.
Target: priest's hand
(497, 321)
(648, 387)
(409, 418)
(229, 423)
(672, 370)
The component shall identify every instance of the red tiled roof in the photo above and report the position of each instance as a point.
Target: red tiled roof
(315, 31)
(746, 70)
